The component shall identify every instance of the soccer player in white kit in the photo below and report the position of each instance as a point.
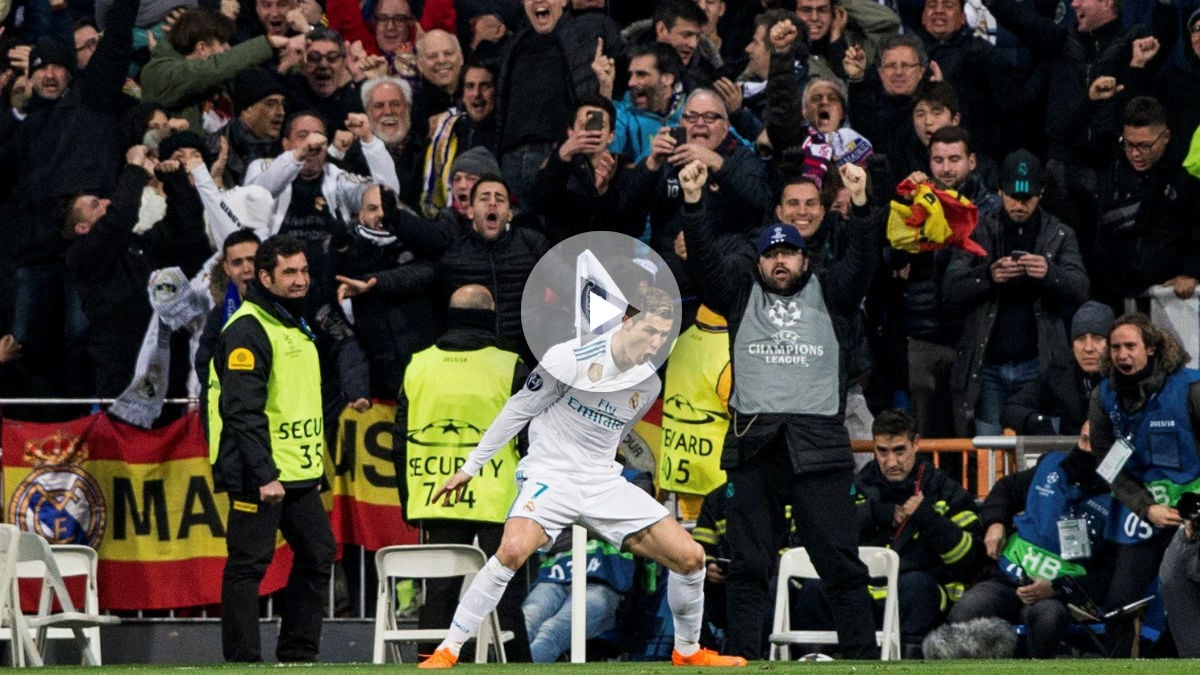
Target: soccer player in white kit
(570, 475)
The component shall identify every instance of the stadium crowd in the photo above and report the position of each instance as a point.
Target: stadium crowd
(428, 154)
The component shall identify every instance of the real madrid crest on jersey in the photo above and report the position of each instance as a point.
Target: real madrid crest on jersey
(319, 204)
(58, 499)
(595, 372)
(635, 400)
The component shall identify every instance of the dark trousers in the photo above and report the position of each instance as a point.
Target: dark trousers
(929, 366)
(1134, 567)
(250, 539)
(1044, 620)
(826, 524)
(441, 595)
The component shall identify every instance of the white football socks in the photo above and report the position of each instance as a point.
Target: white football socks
(685, 595)
(480, 599)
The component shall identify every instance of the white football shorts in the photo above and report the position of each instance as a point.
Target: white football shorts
(612, 507)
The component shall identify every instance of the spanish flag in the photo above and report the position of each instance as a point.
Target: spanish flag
(934, 219)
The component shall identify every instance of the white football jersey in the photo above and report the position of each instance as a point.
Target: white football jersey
(572, 427)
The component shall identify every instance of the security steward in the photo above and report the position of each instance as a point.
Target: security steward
(452, 392)
(789, 331)
(696, 412)
(266, 445)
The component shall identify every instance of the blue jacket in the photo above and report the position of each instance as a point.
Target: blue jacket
(635, 129)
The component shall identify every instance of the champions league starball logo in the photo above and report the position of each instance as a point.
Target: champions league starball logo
(58, 499)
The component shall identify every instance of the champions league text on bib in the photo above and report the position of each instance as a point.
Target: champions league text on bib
(785, 357)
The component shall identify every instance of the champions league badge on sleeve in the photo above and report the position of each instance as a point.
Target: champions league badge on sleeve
(58, 499)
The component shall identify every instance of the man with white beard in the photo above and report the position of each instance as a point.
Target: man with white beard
(388, 104)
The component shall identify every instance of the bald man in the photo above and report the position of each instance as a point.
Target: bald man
(440, 62)
(452, 391)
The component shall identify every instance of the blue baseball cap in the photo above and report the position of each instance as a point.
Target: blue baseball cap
(780, 234)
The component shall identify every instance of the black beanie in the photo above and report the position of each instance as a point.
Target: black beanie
(253, 85)
(183, 139)
(48, 52)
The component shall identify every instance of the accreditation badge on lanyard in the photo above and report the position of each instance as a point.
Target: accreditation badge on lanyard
(1073, 541)
(1115, 460)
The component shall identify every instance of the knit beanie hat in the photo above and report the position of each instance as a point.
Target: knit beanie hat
(1092, 317)
(183, 139)
(477, 161)
(48, 52)
(253, 85)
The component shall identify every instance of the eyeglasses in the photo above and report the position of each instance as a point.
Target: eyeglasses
(1142, 148)
(899, 66)
(394, 19)
(315, 58)
(90, 44)
(708, 117)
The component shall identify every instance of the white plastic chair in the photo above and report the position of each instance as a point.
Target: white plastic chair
(73, 561)
(429, 561)
(13, 626)
(36, 560)
(880, 562)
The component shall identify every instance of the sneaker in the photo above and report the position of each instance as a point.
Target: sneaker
(706, 657)
(442, 658)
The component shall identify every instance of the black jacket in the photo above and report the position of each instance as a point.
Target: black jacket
(1146, 233)
(968, 286)
(1061, 391)
(463, 257)
(815, 442)
(244, 460)
(986, 84)
(943, 537)
(565, 195)
(111, 267)
(70, 145)
(575, 40)
(737, 199)
(394, 319)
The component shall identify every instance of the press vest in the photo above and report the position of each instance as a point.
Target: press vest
(1164, 447)
(1034, 548)
(295, 418)
(785, 356)
(453, 397)
(694, 415)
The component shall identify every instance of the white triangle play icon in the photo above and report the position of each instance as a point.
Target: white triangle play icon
(601, 311)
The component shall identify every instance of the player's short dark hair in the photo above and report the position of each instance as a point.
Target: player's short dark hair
(239, 236)
(195, 26)
(938, 93)
(653, 301)
(666, 59)
(951, 135)
(671, 11)
(894, 422)
(1144, 111)
(489, 178)
(274, 248)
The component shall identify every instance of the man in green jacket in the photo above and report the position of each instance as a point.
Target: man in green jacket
(187, 74)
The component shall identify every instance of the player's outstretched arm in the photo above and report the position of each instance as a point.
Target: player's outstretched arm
(455, 485)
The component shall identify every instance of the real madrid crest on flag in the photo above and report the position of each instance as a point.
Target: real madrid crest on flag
(58, 499)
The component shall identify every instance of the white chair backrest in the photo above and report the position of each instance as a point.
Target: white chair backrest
(429, 561)
(880, 562)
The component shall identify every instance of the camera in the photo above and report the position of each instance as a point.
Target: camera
(1189, 507)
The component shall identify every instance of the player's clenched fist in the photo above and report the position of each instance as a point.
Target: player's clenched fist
(692, 178)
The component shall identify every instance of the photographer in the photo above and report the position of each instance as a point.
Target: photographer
(1180, 573)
